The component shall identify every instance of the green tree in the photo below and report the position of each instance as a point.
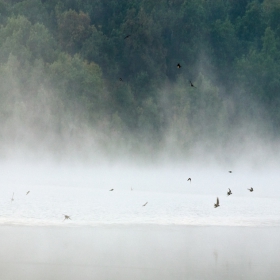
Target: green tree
(73, 29)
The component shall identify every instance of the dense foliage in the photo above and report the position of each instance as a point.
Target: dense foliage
(77, 50)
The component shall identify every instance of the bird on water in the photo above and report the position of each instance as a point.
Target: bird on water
(145, 204)
(111, 190)
(179, 66)
(217, 204)
(190, 179)
(27, 192)
(229, 192)
(66, 217)
(251, 189)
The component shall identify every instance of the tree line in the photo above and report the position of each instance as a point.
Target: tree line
(116, 62)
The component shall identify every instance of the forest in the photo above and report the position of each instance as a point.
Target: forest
(108, 71)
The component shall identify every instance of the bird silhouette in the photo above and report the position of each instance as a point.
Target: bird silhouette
(229, 192)
(121, 79)
(192, 85)
(217, 204)
(127, 36)
(179, 66)
(251, 189)
(145, 204)
(190, 179)
(230, 171)
(111, 190)
(27, 192)
(66, 217)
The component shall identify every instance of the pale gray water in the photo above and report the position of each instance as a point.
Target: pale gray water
(147, 252)
(177, 235)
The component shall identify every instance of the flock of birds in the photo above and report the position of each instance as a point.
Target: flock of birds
(217, 204)
(229, 192)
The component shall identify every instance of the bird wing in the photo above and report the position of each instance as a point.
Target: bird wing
(217, 201)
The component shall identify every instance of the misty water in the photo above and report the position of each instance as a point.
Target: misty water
(84, 194)
(178, 234)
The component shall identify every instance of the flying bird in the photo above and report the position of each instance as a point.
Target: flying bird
(121, 79)
(251, 189)
(190, 179)
(145, 204)
(229, 192)
(27, 192)
(127, 36)
(217, 204)
(12, 199)
(230, 171)
(66, 217)
(111, 190)
(192, 85)
(179, 66)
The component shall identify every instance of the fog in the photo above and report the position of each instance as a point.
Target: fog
(165, 177)
(69, 165)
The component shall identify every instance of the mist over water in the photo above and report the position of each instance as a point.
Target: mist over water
(66, 145)
(69, 167)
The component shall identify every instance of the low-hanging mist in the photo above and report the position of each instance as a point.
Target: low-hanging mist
(139, 139)
(197, 123)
